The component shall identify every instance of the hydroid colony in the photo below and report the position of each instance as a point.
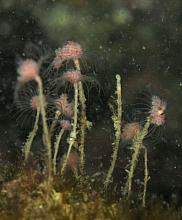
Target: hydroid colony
(71, 119)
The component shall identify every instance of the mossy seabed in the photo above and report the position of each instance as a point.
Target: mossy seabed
(27, 197)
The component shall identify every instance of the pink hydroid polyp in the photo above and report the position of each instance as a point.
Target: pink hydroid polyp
(35, 102)
(72, 76)
(65, 124)
(157, 111)
(28, 70)
(71, 50)
(130, 130)
(64, 106)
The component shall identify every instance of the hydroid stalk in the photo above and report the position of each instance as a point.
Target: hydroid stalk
(45, 127)
(56, 148)
(83, 120)
(31, 136)
(146, 177)
(117, 126)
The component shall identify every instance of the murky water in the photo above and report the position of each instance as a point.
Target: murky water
(140, 41)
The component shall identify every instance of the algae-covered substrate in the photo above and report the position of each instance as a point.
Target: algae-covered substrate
(28, 197)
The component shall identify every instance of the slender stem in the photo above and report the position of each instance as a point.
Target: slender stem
(45, 127)
(31, 136)
(83, 126)
(117, 125)
(83, 120)
(137, 149)
(56, 148)
(73, 133)
(146, 177)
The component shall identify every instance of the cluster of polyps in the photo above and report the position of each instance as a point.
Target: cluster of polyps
(72, 51)
(66, 111)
